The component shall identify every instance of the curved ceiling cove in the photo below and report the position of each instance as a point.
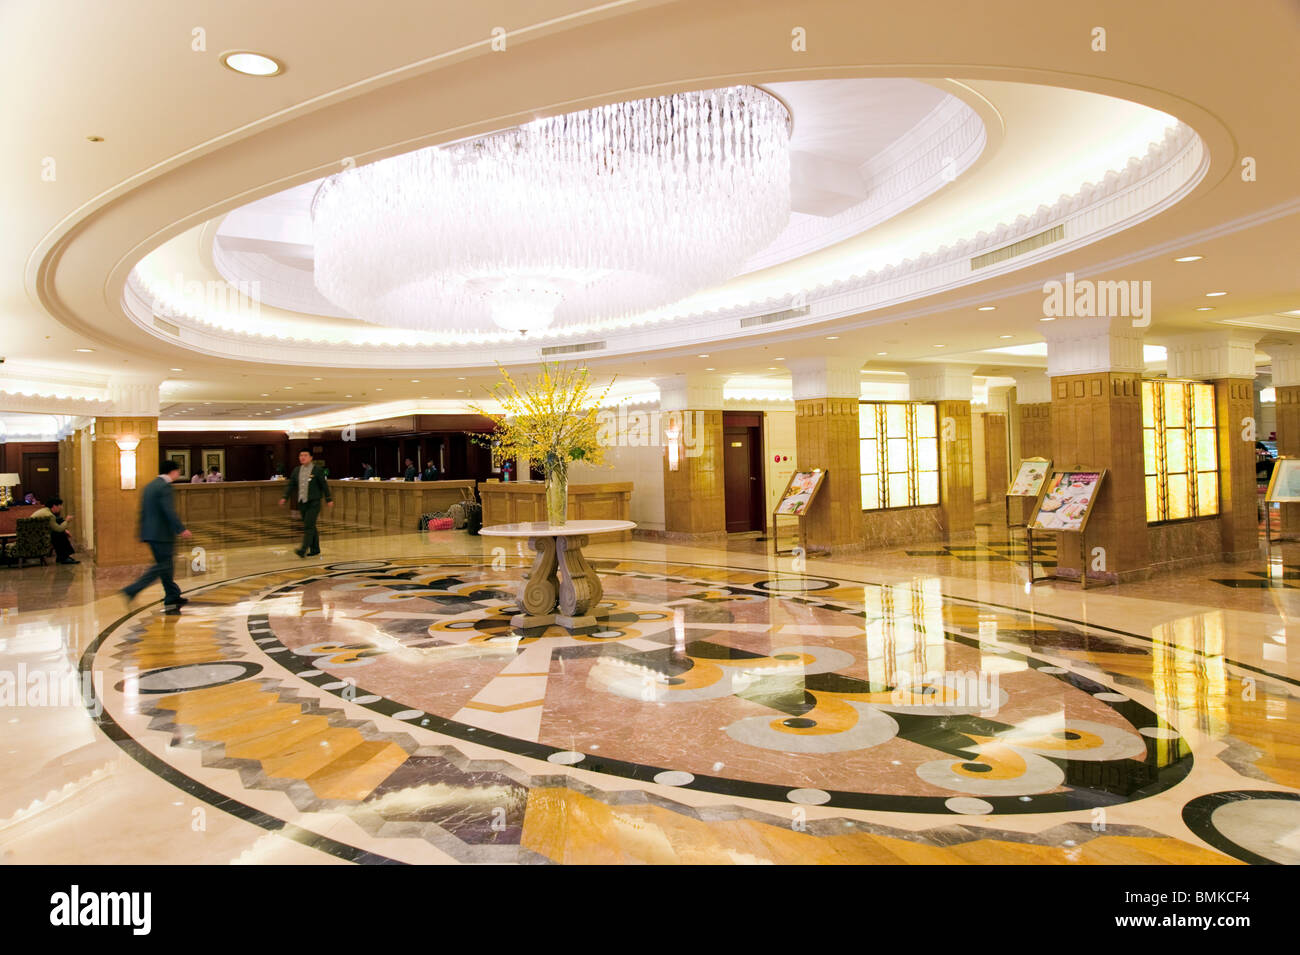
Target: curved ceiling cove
(897, 189)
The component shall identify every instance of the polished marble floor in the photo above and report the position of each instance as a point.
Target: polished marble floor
(923, 705)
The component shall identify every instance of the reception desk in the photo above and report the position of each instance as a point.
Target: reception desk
(395, 505)
(516, 502)
(390, 505)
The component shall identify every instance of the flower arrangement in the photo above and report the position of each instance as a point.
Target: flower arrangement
(550, 419)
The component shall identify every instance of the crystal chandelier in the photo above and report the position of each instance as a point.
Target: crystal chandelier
(598, 214)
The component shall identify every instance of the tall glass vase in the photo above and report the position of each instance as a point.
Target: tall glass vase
(557, 493)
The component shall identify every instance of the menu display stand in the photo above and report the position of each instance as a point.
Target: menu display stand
(1027, 484)
(1283, 488)
(795, 501)
(1064, 508)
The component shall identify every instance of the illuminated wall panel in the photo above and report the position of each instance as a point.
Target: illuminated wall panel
(899, 454)
(1179, 448)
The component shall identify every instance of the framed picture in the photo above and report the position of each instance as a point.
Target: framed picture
(183, 459)
(214, 457)
(1029, 477)
(1284, 485)
(799, 493)
(1068, 500)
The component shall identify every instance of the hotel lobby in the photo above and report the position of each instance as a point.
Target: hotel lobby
(775, 433)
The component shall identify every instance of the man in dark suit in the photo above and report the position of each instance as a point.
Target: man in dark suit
(308, 485)
(159, 527)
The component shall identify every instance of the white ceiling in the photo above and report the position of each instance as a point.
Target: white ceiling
(185, 141)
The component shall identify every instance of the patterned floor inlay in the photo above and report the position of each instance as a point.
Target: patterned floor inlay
(997, 551)
(713, 714)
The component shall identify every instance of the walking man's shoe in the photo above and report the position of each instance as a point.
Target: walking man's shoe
(300, 552)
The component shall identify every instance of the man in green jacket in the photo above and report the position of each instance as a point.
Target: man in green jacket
(308, 485)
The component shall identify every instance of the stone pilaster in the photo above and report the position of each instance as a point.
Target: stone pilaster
(827, 436)
(695, 505)
(1095, 366)
(117, 511)
(949, 386)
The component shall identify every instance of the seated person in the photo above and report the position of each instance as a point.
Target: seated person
(367, 472)
(430, 472)
(53, 512)
(30, 498)
(411, 472)
(198, 478)
(214, 476)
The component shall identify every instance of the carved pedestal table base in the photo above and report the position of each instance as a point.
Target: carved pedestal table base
(561, 587)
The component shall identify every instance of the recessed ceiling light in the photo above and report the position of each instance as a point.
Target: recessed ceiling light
(379, 389)
(265, 395)
(940, 346)
(778, 359)
(318, 379)
(251, 64)
(460, 379)
(1004, 336)
(702, 356)
(1214, 294)
(288, 387)
(986, 308)
(85, 349)
(178, 369)
(710, 369)
(347, 396)
(415, 381)
(1048, 318)
(1205, 308)
(879, 353)
(1189, 258)
(771, 368)
(831, 338)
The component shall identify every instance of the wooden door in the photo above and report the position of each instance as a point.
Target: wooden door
(40, 474)
(741, 478)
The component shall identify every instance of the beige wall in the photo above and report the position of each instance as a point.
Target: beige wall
(644, 467)
(778, 439)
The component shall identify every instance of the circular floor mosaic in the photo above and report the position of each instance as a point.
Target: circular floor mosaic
(726, 681)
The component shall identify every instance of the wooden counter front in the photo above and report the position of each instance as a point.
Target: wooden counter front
(515, 502)
(391, 505)
(395, 505)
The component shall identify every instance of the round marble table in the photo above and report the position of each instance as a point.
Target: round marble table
(560, 587)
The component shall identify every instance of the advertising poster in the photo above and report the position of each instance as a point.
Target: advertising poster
(1284, 485)
(799, 492)
(1068, 500)
(1029, 477)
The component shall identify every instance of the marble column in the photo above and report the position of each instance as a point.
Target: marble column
(695, 506)
(1095, 366)
(116, 511)
(949, 387)
(1285, 362)
(1226, 359)
(826, 431)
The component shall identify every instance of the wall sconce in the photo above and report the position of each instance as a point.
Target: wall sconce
(673, 442)
(126, 461)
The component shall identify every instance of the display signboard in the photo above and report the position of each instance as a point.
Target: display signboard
(1284, 485)
(1029, 477)
(799, 493)
(1067, 501)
